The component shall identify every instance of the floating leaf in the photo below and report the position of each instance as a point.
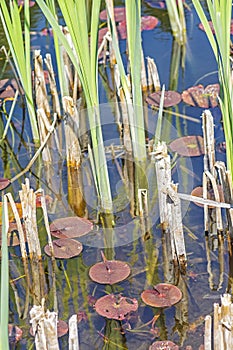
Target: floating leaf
(163, 295)
(12, 235)
(8, 88)
(21, 3)
(109, 271)
(70, 227)
(202, 97)
(212, 27)
(171, 98)
(164, 345)
(198, 192)
(15, 333)
(115, 306)
(119, 14)
(4, 183)
(64, 248)
(188, 146)
(156, 4)
(147, 23)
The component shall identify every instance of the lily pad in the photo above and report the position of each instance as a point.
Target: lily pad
(15, 333)
(70, 227)
(109, 271)
(163, 295)
(115, 306)
(8, 88)
(64, 248)
(212, 27)
(12, 235)
(164, 345)
(188, 146)
(156, 4)
(198, 192)
(147, 23)
(202, 97)
(171, 98)
(4, 183)
(21, 3)
(119, 14)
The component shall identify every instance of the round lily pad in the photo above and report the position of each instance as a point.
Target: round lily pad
(115, 306)
(65, 248)
(188, 146)
(15, 333)
(171, 98)
(8, 88)
(198, 192)
(21, 3)
(164, 345)
(163, 295)
(70, 227)
(156, 4)
(202, 97)
(4, 183)
(119, 14)
(147, 23)
(212, 27)
(12, 235)
(109, 271)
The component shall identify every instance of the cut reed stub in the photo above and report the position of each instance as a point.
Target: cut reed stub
(163, 295)
(115, 306)
(171, 98)
(199, 96)
(109, 272)
(164, 345)
(64, 248)
(198, 192)
(62, 329)
(70, 227)
(188, 146)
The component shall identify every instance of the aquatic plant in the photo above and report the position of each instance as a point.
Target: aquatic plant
(175, 10)
(84, 58)
(4, 292)
(18, 39)
(220, 12)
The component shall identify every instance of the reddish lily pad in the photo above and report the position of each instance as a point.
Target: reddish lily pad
(65, 248)
(212, 27)
(188, 146)
(8, 88)
(202, 97)
(21, 3)
(156, 4)
(164, 345)
(147, 23)
(70, 227)
(115, 306)
(119, 14)
(109, 271)
(198, 192)
(4, 183)
(62, 329)
(15, 333)
(12, 235)
(163, 295)
(171, 98)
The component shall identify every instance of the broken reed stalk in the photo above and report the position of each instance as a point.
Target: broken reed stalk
(169, 208)
(28, 203)
(53, 86)
(23, 252)
(73, 333)
(221, 335)
(44, 326)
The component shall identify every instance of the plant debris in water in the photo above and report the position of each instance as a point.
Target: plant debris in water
(202, 97)
(115, 306)
(171, 98)
(188, 146)
(163, 295)
(70, 227)
(164, 345)
(109, 271)
(64, 248)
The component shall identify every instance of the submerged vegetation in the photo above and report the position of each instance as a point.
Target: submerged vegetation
(115, 193)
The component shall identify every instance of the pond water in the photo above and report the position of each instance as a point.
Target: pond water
(207, 276)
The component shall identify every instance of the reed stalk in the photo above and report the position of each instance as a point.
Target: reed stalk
(4, 292)
(220, 12)
(84, 58)
(177, 20)
(18, 38)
